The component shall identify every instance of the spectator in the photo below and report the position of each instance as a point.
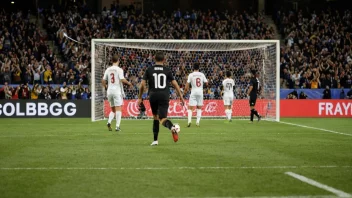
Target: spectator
(7, 91)
(36, 90)
(48, 75)
(15, 94)
(25, 91)
(64, 91)
(342, 94)
(327, 93)
(45, 94)
(302, 95)
(349, 94)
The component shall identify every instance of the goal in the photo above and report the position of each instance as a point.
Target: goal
(241, 57)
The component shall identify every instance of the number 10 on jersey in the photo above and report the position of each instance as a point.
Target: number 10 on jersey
(159, 81)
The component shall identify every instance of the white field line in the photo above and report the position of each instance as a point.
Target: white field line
(304, 179)
(170, 168)
(290, 196)
(319, 129)
(103, 134)
(113, 133)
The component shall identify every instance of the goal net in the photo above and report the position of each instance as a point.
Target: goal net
(241, 57)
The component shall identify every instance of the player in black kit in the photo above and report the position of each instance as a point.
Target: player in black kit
(253, 91)
(159, 77)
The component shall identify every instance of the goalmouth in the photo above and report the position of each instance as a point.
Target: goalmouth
(241, 57)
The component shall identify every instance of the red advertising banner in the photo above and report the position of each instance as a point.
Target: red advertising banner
(211, 108)
(316, 108)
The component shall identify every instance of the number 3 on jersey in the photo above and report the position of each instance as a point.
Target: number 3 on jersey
(112, 77)
(159, 81)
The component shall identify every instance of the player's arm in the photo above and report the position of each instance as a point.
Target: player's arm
(205, 80)
(178, 90)
(123, 80)
(175, 85)
(250, 88)
(104, 81)
(187, 84)
(186, 88)
(141, 89)
(142, 86)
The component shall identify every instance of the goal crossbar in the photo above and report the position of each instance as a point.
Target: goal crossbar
(187, 45)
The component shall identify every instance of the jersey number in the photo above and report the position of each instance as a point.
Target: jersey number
(159, 81)
(228, 85)
(198, 82)
(112, 77)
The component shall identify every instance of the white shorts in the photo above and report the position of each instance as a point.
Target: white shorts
(195, 100)
(228, 100)
(115, 100)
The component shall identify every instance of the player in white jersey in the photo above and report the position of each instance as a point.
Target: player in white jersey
(196, 79)
(228, 85)
(112, 80)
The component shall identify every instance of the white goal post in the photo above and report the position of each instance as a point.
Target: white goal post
(240, 57)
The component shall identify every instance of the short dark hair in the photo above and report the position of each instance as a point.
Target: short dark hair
(196, 66)
(159, 56)
(115, 58)
(228, 74)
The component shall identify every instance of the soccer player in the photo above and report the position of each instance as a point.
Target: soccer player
(252, 93)
(114, 78)
(196, 79)
(228, 85)
(158, 78)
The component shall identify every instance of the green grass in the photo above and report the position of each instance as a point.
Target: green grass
(61, 145)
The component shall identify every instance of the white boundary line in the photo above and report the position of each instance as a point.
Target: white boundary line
(103, 134)
(290, 196)
(304, 179)
(319, 129)
(170, 168)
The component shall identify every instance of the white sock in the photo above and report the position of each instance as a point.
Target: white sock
(118, 118)
(189, 116)
(199, 115)
(229, 114)
(111, 117)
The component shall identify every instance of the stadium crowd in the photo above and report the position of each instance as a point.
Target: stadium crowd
(318, 49)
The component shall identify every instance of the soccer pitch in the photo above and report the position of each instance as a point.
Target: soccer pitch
(78, 158)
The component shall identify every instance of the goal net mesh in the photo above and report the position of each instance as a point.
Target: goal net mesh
(242, 59)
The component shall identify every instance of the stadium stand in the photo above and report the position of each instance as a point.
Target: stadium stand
(316, 52)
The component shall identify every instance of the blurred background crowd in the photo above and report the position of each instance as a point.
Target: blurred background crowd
(38, 60)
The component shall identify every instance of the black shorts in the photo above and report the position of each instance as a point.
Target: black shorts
(252, 100)
(159, 105)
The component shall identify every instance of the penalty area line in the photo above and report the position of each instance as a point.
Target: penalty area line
(289, 196)
(319, 129)
(304, 179)
(172, 168)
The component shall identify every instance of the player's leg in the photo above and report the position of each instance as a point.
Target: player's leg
(199, 99)
(156, 123)
(163, 108)
(252, 102)
(191, 106)
(113, 110)
(227, 107)
(189, 114)
(118, 102)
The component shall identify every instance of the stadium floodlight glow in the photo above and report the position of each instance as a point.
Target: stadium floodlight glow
(12, 2)
(237, 55)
